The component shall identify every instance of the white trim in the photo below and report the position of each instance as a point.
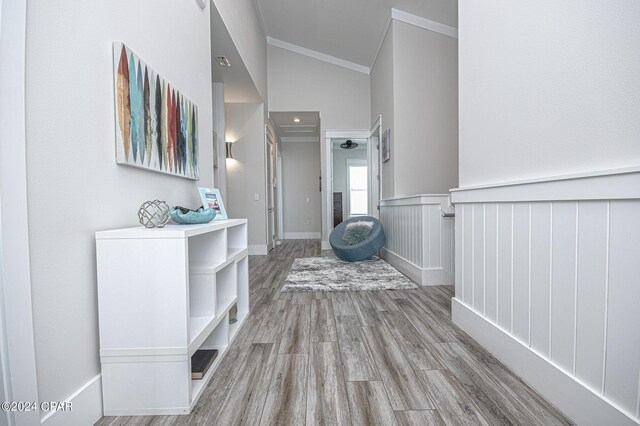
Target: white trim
(346, 133)
(375, 175)
(387, 25)
(15, 265)
(305, 139)
(269, 151)
(261, 20)
(420, 199)
(318, 55)
(600, 185)
(420, 276)
(258, 250)
(86, 404)
(568, 394)
(325, 245)
(424, 23)
(302, 235)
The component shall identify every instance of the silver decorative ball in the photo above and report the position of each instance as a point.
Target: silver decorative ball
(154, 214)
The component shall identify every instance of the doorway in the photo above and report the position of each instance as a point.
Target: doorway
(353, 162)
(297, 164)
(349, 179)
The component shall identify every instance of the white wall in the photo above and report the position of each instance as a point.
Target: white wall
(414, 86)
(545, 275)
(245, 122)
(300, 173)
(241, 19)
(547, 88)
(340, 158)
(425, 137)
(382, 98)
(300, 83)
(419, 241)
(550, 269)
(74, 185)
(246, 172)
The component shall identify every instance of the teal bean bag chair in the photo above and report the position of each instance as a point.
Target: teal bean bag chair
(352, 241)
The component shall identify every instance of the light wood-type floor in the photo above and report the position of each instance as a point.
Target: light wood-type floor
(364, 358)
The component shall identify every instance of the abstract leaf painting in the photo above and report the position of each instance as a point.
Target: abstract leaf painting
(156, 125)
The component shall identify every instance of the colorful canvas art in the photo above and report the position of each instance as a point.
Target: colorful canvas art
(156, 126)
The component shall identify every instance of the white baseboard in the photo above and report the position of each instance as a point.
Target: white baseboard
(301, 235)
(325, 245)
(258, 250)
(568, 394)
(425, 277)
(86, 407)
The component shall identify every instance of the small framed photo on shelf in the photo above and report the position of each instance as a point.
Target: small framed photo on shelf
(211, 199)
(386, 145)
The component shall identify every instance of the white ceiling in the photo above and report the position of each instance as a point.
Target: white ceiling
(346, 29)
(307, 130)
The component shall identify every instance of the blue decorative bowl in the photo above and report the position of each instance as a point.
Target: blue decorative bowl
(192, 217)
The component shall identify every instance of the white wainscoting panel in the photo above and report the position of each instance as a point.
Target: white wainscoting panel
(419, 241)
(560, 275)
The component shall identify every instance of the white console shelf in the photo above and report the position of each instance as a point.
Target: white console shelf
(162, 295)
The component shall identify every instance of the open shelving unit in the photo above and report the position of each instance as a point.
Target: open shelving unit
(162, 295)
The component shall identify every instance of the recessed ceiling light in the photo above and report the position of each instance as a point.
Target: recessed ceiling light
(223, 61)
(296, 120)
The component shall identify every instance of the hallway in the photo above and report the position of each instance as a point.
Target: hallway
(391, 357)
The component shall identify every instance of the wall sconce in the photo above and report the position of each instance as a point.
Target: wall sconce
(229, 153)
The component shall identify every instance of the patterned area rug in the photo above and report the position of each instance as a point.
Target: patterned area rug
(331, 274)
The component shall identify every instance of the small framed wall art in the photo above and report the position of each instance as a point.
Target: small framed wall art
(386, 145)
(211, 199)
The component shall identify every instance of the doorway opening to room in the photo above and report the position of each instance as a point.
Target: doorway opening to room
(297, 164)
(353, 162)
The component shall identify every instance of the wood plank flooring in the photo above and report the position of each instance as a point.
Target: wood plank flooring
(361, 358)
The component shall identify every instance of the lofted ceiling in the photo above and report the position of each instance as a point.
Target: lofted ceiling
(306, 130)
(350, 30)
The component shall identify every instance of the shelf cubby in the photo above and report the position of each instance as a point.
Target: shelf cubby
(218, 339)
(236, 239)
(226, 287)
(208, 249)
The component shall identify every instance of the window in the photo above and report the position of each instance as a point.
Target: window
(358, 199)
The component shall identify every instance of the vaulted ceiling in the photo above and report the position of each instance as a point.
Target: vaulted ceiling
(346, 29)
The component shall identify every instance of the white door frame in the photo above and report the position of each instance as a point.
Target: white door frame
(375, 175)
(15, 277)
(269, 145)
(328, 173)
(280, 206)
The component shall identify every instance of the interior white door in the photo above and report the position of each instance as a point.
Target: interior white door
(374, 162)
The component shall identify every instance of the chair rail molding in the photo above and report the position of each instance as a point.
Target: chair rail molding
(547, 280)
(419, 241)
